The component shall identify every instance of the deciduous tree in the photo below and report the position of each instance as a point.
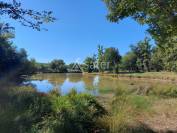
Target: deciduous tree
(112, 56)
(143, 52)
(129, 62)
(27, 17)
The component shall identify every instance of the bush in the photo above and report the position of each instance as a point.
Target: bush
(33, 112)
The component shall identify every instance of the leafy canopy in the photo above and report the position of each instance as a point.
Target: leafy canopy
(27, 17)
(160, 15)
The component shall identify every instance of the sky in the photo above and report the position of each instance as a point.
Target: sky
(80, 26)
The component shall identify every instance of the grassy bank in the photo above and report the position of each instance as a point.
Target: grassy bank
(23, 110)
(142, 110)
(132, 109)
(166, 76)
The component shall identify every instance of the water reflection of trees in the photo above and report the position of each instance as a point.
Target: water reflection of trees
(54, 79)
(74, 77)
(91, 83)
(88, 81)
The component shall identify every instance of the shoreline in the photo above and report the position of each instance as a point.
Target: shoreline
(158, 76)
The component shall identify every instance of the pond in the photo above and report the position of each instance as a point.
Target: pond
(92, 84)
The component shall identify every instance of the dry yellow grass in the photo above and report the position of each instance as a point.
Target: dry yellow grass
(163, 117)
(166, 76)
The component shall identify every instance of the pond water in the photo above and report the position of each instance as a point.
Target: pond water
(92, 84)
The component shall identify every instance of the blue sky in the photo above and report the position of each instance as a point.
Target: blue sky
(81, 25)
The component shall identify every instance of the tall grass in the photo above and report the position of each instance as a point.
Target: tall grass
(131, 105)
(28, 111)
(24, 110)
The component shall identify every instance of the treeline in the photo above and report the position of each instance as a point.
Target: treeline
(161, 18)
(14, 63)
(143, 57)
(55, 66)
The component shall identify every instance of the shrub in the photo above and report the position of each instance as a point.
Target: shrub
(33, 112)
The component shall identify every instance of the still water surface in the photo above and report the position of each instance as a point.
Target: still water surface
(92, 84)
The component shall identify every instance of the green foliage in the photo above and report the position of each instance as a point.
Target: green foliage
(26, 17)
(75, 68)
(170, 57)
(58, 66)
(6, 31)
(24, 107)
(90, 64)
(159, 15)
(100, 57)
(165, 58)
(29, 111)
(144, 58)
(112, 56)
(107, 59)
(54, 92)
(14, 62)
(130, 107)
(43, 67)
(157, 60)
(129, 62)
(143, 53)
(126, 106)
